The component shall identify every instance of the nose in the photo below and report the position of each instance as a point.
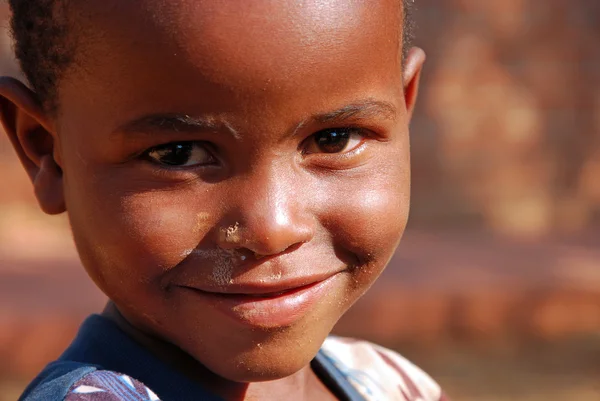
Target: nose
(270, 214)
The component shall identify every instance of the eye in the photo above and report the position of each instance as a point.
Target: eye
(181, 154)
(334, 140)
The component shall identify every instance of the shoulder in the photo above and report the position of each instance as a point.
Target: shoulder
(55, 380)
(379, 373)
(71, 381)
(109, 386)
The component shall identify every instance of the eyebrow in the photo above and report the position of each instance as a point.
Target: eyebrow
(174, 122)
(364, 109)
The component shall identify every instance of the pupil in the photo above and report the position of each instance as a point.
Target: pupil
(332, 141)
(176, 155)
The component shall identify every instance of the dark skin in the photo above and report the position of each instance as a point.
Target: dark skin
(241, 143)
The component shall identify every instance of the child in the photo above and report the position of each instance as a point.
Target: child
(236, 175)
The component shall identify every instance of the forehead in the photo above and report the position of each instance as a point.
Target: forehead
(245, 31)
(240, 46)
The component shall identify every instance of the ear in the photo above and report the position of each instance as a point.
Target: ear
(30, 133)
(413, 66)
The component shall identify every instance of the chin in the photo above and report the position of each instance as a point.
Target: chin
(264, 356)
(264, 365)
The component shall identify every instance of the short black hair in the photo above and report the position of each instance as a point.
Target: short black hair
(44, 48)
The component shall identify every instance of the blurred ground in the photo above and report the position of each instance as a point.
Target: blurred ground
(496, 287)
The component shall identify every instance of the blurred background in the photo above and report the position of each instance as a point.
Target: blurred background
(495, 289)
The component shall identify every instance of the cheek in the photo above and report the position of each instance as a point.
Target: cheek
(378, 220)
(370, 219)
(125, 239)
(164, 229)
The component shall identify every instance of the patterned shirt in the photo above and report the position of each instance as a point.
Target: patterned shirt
(104, 364)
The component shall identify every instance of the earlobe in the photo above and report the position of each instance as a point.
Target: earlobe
(411, 77)
(28, 129)
(48, 186)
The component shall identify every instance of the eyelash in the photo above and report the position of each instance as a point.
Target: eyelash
(182, 151)
(347, 133)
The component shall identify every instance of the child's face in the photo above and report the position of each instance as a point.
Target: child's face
(244, 148)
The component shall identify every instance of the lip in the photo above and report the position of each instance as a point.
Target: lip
(259, 306)
(262, 287)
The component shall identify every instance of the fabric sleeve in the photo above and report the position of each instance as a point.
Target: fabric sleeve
(53, 383)
(104, 385)
(379, 373)
(418, 385)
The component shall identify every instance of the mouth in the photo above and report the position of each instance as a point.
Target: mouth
(258, 306)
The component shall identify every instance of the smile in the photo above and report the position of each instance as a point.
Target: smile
(268, 309)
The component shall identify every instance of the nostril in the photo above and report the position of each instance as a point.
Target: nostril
(260, 236)
(291, 248)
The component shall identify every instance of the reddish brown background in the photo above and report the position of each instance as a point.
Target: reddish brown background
(496, 287)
